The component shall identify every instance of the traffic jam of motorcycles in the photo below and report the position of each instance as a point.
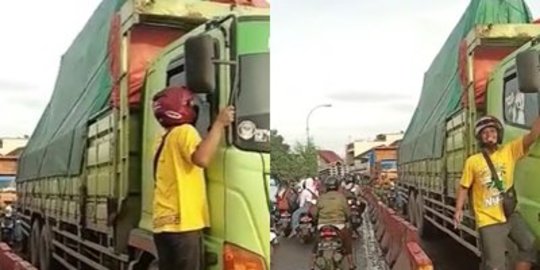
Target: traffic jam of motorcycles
(324, 218)
(10, 227)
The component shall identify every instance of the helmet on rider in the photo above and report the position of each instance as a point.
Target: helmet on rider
(174, 106)
(484, 123)
(331, 183)
(349, 178)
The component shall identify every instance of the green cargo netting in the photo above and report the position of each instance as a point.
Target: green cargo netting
(82, 89)
(441, 90)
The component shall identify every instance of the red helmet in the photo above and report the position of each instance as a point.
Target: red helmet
(174, 106)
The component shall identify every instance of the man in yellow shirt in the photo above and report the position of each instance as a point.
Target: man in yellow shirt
(493, 226)
(180, 208)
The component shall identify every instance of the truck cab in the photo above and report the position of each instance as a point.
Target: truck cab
(91, 204)
(226, 62)
(517, 109)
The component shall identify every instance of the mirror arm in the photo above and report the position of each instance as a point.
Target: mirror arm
(232, 101)
(224, 62)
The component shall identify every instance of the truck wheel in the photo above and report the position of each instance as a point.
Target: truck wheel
(411, 209)
(34, 243)
(45, 248)
(420, 216)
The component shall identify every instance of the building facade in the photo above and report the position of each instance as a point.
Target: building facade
(357, 152)
(330, 164)
(9, 145)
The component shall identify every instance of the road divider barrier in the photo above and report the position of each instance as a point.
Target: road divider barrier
(397, 238)
(11, 261)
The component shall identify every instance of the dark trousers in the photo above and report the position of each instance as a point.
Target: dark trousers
(180, 251)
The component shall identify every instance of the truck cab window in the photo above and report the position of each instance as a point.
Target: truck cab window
(176, 76)
(519, 108)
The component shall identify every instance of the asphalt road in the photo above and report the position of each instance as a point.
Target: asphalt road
(292, 255)
(445, 253)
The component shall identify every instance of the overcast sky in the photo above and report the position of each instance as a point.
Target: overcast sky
(35, 35)
(367, 58)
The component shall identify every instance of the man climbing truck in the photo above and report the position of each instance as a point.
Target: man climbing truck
(86, 178)
(476, 73)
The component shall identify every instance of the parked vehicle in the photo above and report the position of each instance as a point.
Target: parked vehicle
(475, 73)
(86, 176)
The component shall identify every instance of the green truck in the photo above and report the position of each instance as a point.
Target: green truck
(474, 74)
(85, 180)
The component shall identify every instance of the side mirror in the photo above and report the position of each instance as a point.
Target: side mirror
(528, 71)
(200, 69)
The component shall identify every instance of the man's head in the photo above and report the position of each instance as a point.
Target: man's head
(331, 183)
(174, 106)
(489, 131)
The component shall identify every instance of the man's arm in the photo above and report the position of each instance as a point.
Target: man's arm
(532, 136)
(209, 145)
(461, 196)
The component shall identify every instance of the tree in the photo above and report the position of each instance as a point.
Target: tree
(301, 162)
(279, 156)
(307, 159)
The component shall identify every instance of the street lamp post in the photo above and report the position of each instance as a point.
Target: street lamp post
(307, 119)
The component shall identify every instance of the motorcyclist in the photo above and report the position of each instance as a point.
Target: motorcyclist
(307, 199)
(9, 217)
(332, 209)
(351, 190)
(349, 187)
(8, 210)
(286, 197)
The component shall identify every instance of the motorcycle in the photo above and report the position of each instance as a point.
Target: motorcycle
(273, 240)
(284, 222)
(7, 226)
(356, 215)
(305, 229)
(330, 253)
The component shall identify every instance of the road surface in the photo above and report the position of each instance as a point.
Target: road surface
(445, 253)
(291, 255)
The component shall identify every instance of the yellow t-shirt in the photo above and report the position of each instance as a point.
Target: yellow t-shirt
(486, 197)
(180, 202)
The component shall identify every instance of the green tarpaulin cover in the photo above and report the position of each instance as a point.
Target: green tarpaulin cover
(442, 90)
(82, 88)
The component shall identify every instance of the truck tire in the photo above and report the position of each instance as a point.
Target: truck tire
(420, 221)
(34, 243)
(411, 209)
(45, 248)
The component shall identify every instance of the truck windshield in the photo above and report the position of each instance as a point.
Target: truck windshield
(253, 103)
(388, 165)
